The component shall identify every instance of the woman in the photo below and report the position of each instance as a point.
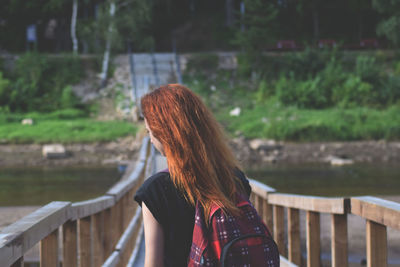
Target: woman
(201, 168)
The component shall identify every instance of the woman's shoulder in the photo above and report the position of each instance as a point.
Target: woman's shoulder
(160, 179)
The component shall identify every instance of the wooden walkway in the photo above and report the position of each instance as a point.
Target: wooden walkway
(107, 231)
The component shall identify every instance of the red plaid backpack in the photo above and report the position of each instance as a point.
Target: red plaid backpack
(234, 241)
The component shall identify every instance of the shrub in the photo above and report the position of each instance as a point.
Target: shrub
(4, 91)
(40, 83)
(353, 92)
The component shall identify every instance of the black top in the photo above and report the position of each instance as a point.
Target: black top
(174, 213)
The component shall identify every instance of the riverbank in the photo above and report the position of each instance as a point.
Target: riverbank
(251, 153)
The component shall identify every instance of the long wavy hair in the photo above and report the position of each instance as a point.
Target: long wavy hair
(200, 162)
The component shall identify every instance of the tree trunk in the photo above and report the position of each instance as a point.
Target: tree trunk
(106, 57)
(73, 27)
(315, 21)
(229, 13)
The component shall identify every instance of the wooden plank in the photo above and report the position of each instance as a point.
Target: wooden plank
(376, 236)
(122, 187)
(135, 252)
(313, 239)
(284, 262)
(114, 225)
(279, 229)
(252, 198)
(339, 242)
(260, 189)
(70, 245)
(18, 263)
(378, 210)
(126, 210)
(268, 216)
(258, 203)
(17, 238)
(127, 241)
(85, 249)
(97, 239)
(294, 250)
(89, 207)
(49, 250)
(135, 223)
(108, 241)
(310, 203)
(113, 260)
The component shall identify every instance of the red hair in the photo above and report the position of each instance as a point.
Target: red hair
(200, 162)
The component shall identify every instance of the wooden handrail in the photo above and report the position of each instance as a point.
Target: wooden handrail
(108, 227)
(378, 213)
(101, 221)
(378, 210)
(310, 203)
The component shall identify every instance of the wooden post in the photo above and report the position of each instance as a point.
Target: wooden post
(279, 229)
(258, 205)
(114, 224)
(267, 216)
(18, 263)
(126, 209)
(252, 198)
(70, 248)
(339, 243)
(120, 222)
(313, 239)
(108, 238)
(294, 236)
(376, 244)
(97, 239)
(85, 250)
(49, 250)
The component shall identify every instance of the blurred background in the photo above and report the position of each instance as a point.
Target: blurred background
(292, 82)
(307, 91)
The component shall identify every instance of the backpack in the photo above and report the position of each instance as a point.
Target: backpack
(232, 241)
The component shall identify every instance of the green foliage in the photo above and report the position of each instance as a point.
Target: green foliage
(38, 83)
(4, 90)
(130, 24)
(202, 64)
(312, 80)
(256, 29)
(273, 121)
(258, 26)
(390, 25)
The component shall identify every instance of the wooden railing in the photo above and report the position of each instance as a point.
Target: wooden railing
(97, 232)
(378, 213)
(104, 231)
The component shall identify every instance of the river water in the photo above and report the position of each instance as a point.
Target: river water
(39, 186)
(327, 180)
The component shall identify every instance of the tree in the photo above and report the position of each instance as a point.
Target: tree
(390, 25)
(73, 26)
(117, 23)
(258, 22)
(256, 29)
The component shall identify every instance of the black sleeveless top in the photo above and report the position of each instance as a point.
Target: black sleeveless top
(175, 215)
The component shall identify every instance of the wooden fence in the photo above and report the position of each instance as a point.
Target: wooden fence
(97, 232)
(378, 213)
(104, 231)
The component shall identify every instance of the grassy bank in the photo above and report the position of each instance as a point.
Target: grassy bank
(273, 121)
(66, 126)
(314, 95)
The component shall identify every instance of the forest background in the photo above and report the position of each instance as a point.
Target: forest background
(306, 70)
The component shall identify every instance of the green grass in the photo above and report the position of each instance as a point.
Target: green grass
(61, 127)
(277, 122)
